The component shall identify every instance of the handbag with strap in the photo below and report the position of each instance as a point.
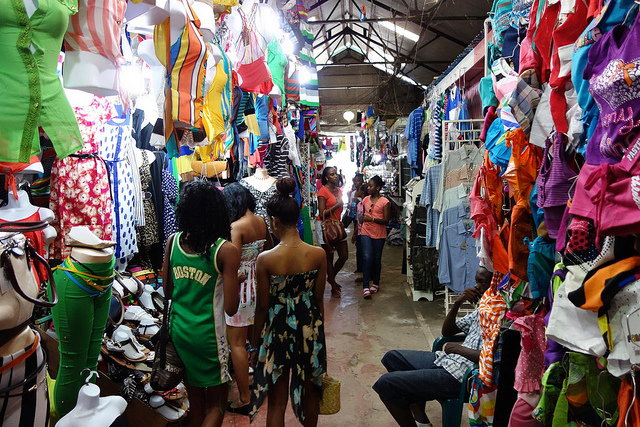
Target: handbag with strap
(330, 402)
(18, 259)
(168, 369)
(333, 231)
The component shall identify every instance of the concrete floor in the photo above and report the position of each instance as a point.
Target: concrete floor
(358, 334)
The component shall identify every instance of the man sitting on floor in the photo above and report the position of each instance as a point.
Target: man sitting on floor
(416, 377)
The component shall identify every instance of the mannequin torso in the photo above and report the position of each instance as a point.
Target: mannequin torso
(93, 410)
(261, 180)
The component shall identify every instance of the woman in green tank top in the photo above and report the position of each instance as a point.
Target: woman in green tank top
(200, 276)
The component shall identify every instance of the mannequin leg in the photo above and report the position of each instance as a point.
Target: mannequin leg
(101, 313)
(73, 318)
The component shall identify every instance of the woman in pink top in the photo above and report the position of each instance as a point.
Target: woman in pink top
(377, 213)
(330, 205)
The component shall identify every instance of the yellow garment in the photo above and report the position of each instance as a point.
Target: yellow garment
(212, 119)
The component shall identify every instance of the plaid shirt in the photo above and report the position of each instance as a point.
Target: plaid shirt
(455, 364)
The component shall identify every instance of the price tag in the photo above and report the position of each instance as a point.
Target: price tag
(631, 328)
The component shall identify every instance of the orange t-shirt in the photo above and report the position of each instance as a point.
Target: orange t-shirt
(331, 201)
(375, 210)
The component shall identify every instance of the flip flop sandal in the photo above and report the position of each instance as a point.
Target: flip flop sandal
(169, 412)
(143, 367)
(149, 330)
(337, 293)
(175, 393)
(158, 301)
(129, 332)
(131, 353)
(112, 346)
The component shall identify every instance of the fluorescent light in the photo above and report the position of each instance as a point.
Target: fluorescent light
(404, 33)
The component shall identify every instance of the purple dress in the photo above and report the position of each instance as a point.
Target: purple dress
(613, 72)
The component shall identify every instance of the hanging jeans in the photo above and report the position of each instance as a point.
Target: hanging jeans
(371, 260)
(80, 321)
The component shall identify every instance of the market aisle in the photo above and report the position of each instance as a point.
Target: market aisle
(359, 332)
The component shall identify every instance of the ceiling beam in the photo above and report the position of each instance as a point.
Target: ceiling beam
(328, 39)
(331, 43)
(360, 64)
(400, 56)
(318, 4)
(349, 87)
(402, 19)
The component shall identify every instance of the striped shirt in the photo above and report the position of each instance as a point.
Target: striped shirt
(491, 310)
(96, 28)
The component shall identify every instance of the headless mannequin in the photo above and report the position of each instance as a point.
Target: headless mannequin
(93, 410)
(81, 313)
(141, 17)
(20, 208)
(261, 180)
(139, 153)
(264, 17)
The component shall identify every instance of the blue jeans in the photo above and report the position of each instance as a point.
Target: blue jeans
(413, 378)
(371, 260)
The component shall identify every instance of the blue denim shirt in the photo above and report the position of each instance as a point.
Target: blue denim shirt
(458, 262)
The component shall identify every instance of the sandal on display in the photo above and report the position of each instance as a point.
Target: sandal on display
(112, 346)
(138, 315)
(240, 410)
(148, 330)
(374, 289)
(121, 361)
(131, 353)
(366, 293)
(146, 299)
(127, 330)
(167, 411)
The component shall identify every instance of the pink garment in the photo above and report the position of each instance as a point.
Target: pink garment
(529, 58)
(611, 188)
(530, 367)
(521, 415)
(488, 120)
(80, 193)
(96, 28)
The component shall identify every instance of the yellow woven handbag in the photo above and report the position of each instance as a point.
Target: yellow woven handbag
(330, 403)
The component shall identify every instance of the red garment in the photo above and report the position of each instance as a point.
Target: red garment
(564, 37)
(10, 169)
(36, 239)
(530, 58)
(625, 396)
(488, 120)
(256, 77)
(543, 39)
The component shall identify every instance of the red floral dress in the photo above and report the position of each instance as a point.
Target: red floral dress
(80, 194)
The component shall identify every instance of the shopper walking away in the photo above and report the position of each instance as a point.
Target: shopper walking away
(356, 236)
(249, 233)
(200, 276)
(330, 205)
(376, 216)
(289, 327)
(350, 214)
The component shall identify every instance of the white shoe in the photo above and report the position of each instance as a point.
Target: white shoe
(135, 313)
(169, 412)
(148, 328)
(131, 353)
(145, 298)
(127, 330)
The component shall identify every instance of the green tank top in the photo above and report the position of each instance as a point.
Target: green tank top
(30, 80)
(197, 324)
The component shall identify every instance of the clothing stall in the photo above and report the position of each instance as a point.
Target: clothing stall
(156, 94)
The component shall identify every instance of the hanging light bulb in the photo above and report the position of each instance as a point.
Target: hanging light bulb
(348, 116)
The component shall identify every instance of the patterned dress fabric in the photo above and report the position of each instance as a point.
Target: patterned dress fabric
(148, 234)
(261, 198)
(80, 194)
(116, 149)
(247, 306)
(170, 191)
(293, 338)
